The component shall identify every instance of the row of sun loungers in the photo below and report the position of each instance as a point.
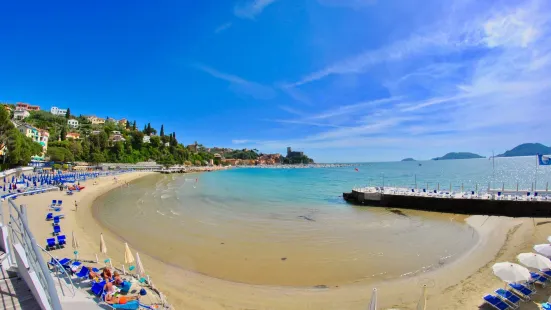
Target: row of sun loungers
(510, 299)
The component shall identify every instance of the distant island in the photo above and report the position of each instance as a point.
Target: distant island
(527, 149)
(458, 155)
(408, 159)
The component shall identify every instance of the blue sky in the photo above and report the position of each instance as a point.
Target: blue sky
(343, 80)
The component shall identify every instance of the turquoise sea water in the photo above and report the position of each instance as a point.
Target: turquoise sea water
(241, 224)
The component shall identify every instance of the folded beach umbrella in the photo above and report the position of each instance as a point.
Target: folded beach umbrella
(534, 260)
(75, 241)
(102, 246)
(510, 272)
(543, 249)
(128, 257)
(139, 266)
(373, 303)
(422, 303)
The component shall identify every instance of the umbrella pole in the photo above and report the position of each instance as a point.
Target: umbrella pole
(97, 260)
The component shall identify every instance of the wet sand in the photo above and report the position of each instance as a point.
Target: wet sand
(283, 244)
(459, 285)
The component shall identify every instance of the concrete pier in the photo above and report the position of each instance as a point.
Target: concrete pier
(530, 204)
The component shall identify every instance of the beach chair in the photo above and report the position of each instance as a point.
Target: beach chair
(74, 266)
(49, 216)
(546, 306)
(538, 279)
(59, 202)
(522, 291)
(97, 288)
(55, 263)
(54, 202)
(131, 305)
(546, 273)
(508, 297)
(56, 220)
(496, 302)
(50, 244)
(61, 241)
(57, 230)
(83, 273)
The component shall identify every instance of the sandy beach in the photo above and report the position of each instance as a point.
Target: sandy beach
(459, 285)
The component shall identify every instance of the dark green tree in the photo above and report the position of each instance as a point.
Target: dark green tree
(68, 114)
(63, 133)
(127, 124)
(162, 134)
(134, 126)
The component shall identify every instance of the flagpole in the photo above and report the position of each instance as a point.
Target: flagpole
(536, 176)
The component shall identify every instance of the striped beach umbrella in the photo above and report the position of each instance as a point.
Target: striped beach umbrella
(102, 245)
(139, 267)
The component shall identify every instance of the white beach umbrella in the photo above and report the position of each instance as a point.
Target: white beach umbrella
(534, 260)
(139, 266)
(510, 272)
(373, 303)
(422, 303)
(102, 246)
(128, 257)
(549, 239)
(543, 249)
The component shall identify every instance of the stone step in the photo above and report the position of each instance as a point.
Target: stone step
(14, 294)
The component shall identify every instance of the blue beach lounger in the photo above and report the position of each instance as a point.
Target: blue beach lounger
(50, 244)
(49, 216)
(537, 278)
(496, 302)
(59, 202)
(54, 202)
(83, 273)
(57, 230)
(61, 240)
(546, 306)
(521, 290)
(56, 220)
(131, 305)
(508, 297)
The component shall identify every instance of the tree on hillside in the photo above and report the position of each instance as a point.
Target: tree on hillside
(134, 126)
(148, 128)
(162, 134)
(68, 114)
(19, 148)
(127, 124)
(63, 133)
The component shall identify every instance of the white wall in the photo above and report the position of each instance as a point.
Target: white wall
(29, 276)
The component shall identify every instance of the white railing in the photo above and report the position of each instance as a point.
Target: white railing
(19, 232)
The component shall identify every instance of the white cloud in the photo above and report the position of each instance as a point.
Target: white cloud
(251, 8)
(488, 90)
(239, 84)
(242, 141)
(223, 27)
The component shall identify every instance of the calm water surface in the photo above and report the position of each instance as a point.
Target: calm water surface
(291, 226)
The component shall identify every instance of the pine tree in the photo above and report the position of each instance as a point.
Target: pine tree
(162, 134)
(127, 124)
(68, 114)
(63, 133)
(149, 128)
(134, 126)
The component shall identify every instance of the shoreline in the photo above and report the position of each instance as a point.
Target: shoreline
(498, 238)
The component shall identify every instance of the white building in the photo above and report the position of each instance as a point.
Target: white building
(73, 123)
(20, 113)
(167, 144)
(146, 139)
(58, 111)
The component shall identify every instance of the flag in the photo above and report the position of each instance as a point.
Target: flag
(544, 160)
